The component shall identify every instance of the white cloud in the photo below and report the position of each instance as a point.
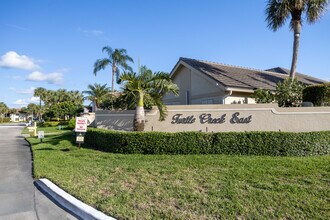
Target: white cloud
(26, 91)
(34, 99)
(17, 27)
(94, 33)
(20, 102)
(51, 78)
(25, 102)
(13, 60)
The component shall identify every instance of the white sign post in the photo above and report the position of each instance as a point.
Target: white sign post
(80, 129)
(41, 135)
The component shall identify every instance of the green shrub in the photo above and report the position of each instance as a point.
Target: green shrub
(263, 96)
(289, 93)
(54, 123)
(317, 94)
(238, 143)
(4, 120)
(72, 123)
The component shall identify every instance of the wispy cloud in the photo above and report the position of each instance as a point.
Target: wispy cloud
(21, 102)
(17, 27)
(25, 102)
(93, 33)
(13, 60)
(25, 91)
(50, 78)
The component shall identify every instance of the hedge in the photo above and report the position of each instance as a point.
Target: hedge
(5, 120)
(52, 123)
(235, 143)
(317, 94)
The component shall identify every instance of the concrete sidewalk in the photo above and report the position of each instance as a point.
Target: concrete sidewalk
(19, 198)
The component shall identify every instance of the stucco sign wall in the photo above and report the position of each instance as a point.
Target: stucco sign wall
(250, 117)
(217, 118)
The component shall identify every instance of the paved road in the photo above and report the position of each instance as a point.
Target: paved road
(19, 198)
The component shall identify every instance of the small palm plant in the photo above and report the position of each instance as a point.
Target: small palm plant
(149, 84)
(96, 93)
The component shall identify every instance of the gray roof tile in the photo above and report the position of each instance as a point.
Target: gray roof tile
(246, 78)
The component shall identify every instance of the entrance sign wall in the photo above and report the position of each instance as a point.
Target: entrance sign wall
(217, 118)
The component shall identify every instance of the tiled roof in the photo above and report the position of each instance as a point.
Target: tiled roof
(246, 78)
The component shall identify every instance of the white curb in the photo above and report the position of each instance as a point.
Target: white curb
(69, 202)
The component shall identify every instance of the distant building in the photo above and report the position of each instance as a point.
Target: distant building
(204, 82)
(18, 117)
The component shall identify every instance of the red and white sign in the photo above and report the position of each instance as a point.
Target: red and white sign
(81, 124)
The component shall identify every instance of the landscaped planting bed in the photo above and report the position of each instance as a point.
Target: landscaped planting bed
(128, 186)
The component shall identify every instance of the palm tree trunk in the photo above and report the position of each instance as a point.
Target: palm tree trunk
(139, 117)
(39, 108)
(113, 78)
(296, 30)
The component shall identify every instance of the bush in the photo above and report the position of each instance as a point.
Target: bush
(238, 143)
(319, 95)
(54, 123)
(4, 120)
(263, 96)
(72, 123)
(289, 93)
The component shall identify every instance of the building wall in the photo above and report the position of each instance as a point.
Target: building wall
(114, 120)
(240, 98)
(196, 88)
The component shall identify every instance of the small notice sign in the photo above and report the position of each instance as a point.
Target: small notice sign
(81, 124)
(41, 134)
(80, 139)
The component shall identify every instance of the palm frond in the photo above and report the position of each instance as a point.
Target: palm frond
(157, 98)
(108, 50)
(277, 12)
(315, 10)
(101, 64)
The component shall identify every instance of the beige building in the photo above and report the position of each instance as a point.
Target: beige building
(203, 82)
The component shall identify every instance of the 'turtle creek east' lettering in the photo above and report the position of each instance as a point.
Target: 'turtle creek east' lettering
(209, 119)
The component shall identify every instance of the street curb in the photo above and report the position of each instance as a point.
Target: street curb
(69, 202)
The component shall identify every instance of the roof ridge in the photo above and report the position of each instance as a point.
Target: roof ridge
(241, 67)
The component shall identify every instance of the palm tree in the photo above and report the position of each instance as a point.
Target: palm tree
(40, 92)
(3, 110)
(32, 108)
(116, 58)
(278, 11)
(96, 93)
(151, 84)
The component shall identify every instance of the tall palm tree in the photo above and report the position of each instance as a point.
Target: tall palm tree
(278, 11)
(96, 93)
(32, 108)
(116, 58)
(151, 84)
(40, 92)
(3, 110)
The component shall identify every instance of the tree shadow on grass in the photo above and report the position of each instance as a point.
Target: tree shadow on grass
(56, 139)
(44, 149)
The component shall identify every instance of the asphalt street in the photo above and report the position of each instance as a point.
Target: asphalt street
(19, 198)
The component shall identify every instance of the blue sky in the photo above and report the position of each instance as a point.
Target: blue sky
(54, 43)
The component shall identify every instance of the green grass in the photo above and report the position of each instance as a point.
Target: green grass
(47, 130)
(187, 186)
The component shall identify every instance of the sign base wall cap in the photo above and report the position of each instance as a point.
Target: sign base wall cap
(69, 202)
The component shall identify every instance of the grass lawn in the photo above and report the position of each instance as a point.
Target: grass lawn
(187, 186)
(47, 130)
